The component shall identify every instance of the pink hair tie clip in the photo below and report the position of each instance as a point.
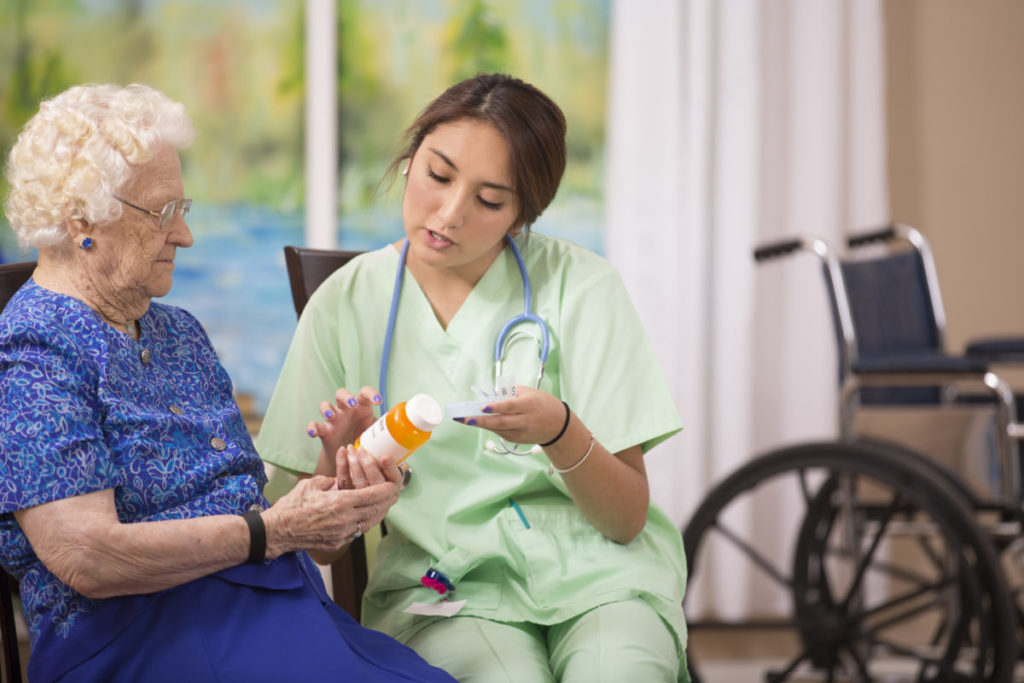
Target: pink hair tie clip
(437, 581)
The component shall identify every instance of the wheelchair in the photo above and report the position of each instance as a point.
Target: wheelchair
(894, 565)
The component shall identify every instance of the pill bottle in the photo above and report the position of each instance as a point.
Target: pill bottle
(402, 429)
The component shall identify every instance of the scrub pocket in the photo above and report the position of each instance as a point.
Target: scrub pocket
(570, 564)
(399, 570)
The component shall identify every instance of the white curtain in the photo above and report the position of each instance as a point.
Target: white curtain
(730, 123)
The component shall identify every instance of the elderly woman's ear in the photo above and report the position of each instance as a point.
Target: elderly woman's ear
(76, 227)
(79, 231)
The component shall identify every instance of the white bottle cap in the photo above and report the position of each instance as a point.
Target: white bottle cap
(424, 412)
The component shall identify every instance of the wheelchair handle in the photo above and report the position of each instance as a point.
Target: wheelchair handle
(777, 249)
(865, 238)
(833, 275)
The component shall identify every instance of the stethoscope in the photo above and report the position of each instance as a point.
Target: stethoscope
(507, 333)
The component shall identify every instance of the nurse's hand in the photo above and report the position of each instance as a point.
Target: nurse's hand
(533, 416)
(610, 489)
(345, 418)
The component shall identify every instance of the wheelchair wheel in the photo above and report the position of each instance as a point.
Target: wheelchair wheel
(883, 572)
(1003, 524)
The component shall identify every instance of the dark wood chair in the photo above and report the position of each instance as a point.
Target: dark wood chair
(307, 268)
(12, 276)
(11, 646)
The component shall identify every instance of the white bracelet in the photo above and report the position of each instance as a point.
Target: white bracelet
(552, 469)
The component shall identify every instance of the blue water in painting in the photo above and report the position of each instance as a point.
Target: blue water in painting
(233, 279)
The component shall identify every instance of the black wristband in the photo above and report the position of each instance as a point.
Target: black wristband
(565, 426)
(257, 534)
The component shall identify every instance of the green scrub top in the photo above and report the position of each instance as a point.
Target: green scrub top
(456, 516)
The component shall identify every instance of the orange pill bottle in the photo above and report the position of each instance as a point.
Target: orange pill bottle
(402, 429)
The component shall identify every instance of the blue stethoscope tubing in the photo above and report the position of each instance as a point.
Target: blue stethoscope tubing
(382, 381)
(527, 316)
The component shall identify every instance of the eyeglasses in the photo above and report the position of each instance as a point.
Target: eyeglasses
(178, 207)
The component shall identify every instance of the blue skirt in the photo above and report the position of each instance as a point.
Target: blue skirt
(224, 628)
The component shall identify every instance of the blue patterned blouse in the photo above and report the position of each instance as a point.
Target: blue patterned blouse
(84, 407)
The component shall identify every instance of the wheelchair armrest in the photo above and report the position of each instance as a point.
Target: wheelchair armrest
(936, 370)
(919, 364)
(997, 350)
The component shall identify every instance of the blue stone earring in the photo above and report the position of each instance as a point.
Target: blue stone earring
(86, 243)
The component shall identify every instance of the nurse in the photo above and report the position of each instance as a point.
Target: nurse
(549, 566)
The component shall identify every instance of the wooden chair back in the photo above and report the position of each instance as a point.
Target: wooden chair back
(307, 268)
(12, 276)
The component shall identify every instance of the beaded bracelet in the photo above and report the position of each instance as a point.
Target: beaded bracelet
(552, 469)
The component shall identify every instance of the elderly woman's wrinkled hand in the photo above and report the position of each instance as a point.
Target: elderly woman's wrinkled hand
(316, 515)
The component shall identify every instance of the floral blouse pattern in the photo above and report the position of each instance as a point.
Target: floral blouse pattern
(84, 407)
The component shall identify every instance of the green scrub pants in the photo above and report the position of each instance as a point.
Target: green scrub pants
(621, 641)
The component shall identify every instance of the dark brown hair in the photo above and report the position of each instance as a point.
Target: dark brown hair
(531, 123)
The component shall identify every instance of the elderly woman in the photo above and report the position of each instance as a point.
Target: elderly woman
(131, 506)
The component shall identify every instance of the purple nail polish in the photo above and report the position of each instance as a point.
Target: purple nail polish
(460, 419)
(377, 398)
(488, 409)
(352, 403)
(328, 414)
(471, 421)
(312, 432)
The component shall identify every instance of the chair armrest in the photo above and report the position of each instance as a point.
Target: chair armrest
(349, 575)
(997, 350)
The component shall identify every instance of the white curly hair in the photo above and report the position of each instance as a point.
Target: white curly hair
(73, 156)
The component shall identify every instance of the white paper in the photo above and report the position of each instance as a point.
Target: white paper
(437, 609)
